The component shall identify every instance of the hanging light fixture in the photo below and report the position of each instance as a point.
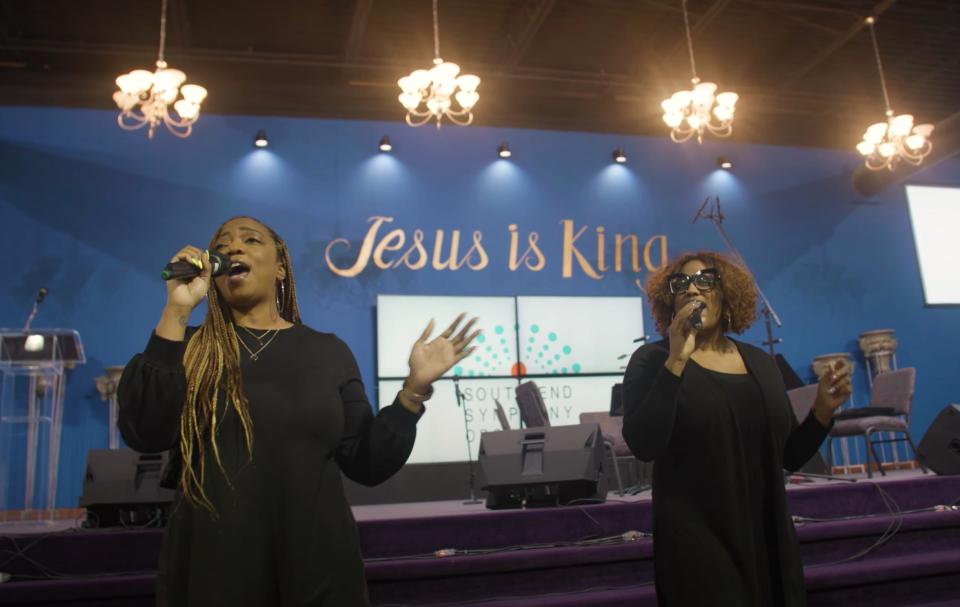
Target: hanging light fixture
(886, 143)
(145, 98)
(434, 88)
(700, 109)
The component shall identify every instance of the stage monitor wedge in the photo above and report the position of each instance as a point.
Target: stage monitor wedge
(548, 466)
(939, 449)
(122, 487)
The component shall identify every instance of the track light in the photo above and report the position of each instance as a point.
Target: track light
(724, 163)
(619, 156)
(504, 150)
(385, 145)
(260, 140)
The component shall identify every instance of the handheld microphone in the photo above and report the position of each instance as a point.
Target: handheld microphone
(696, 320)
(41, 295)
(184, 270)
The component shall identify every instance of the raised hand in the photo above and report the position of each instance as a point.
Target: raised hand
(429, 360)
(834, 389)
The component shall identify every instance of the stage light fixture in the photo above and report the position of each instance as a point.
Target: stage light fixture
(260, 141)
(385, 145)
(724, 163)
(619, 156)
(503, 150)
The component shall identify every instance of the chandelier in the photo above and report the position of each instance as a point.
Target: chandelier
(434, 88)
(885, 143)
(691, 112)
(145, 97)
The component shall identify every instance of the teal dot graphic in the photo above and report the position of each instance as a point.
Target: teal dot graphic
(503, 341)
(485, 364)
(499, 329)
(546, 346)
(470, 373)
(554, 372)
(556, 357)
(539, 354)
(494, 355)
(534, 328)
(489, 348)
(481, 338)
(576, 367)
(550, 363)
(552, 337)
(529, 349)
(563, 370)
(532, 340)
(506, 350)
(458, 370)
(567, 349)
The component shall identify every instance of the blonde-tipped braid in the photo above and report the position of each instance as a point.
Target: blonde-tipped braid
(212, 364)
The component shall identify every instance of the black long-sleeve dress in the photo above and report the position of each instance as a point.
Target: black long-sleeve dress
(722, 532)
(285, 534)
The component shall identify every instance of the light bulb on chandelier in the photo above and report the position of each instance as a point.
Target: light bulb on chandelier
(886, 143)
(145, 97)
(700, 109)
(436, 89)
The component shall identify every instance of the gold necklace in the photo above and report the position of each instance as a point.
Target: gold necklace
(259, 338)
(255, 355)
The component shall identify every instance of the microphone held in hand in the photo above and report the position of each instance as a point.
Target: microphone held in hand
(696, 320)
(185, 270)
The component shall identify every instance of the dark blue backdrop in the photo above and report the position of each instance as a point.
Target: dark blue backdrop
(93, 212)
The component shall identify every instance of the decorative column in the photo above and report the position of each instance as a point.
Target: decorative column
(879, 349)
(107, 387)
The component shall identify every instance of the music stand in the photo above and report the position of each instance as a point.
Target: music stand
(501, 415)
(533, 411)
(33, 366)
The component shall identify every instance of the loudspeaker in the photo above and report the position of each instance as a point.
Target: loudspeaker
(940, 448)
(122, 487)
(546, 466)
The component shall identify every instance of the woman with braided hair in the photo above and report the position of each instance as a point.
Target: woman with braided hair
(262, 413)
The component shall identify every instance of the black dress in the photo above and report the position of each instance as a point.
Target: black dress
(284, 534)
(722, 532)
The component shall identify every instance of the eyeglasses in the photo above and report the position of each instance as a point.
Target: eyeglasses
(705, 280)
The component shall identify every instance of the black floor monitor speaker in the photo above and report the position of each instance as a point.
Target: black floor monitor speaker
(122, 487)
(939, 449)
(546, 466)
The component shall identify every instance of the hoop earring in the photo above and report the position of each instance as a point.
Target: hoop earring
(281, 297)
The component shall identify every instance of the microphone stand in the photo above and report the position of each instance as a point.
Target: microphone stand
(714, 214)
(36, 308)
(466, 433)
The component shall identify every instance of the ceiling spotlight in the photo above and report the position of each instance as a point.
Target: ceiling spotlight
(504, 150)
(619, 156)
(724, 163)
(385, 145)
(260, 140)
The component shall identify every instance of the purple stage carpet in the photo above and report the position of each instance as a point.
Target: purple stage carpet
(891, 542)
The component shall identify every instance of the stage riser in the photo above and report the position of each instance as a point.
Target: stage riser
(619, 568)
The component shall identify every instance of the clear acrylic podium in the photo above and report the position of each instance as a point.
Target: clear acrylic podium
(31, 413)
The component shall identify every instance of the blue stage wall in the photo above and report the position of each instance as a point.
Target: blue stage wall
(93, 213)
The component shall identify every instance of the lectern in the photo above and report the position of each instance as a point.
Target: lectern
(31, 412)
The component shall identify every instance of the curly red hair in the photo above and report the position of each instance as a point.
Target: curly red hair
(737, 290)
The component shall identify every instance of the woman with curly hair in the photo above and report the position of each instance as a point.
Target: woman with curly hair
(714, 415)
(262, 414)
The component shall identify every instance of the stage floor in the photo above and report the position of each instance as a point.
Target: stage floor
(380, 512)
